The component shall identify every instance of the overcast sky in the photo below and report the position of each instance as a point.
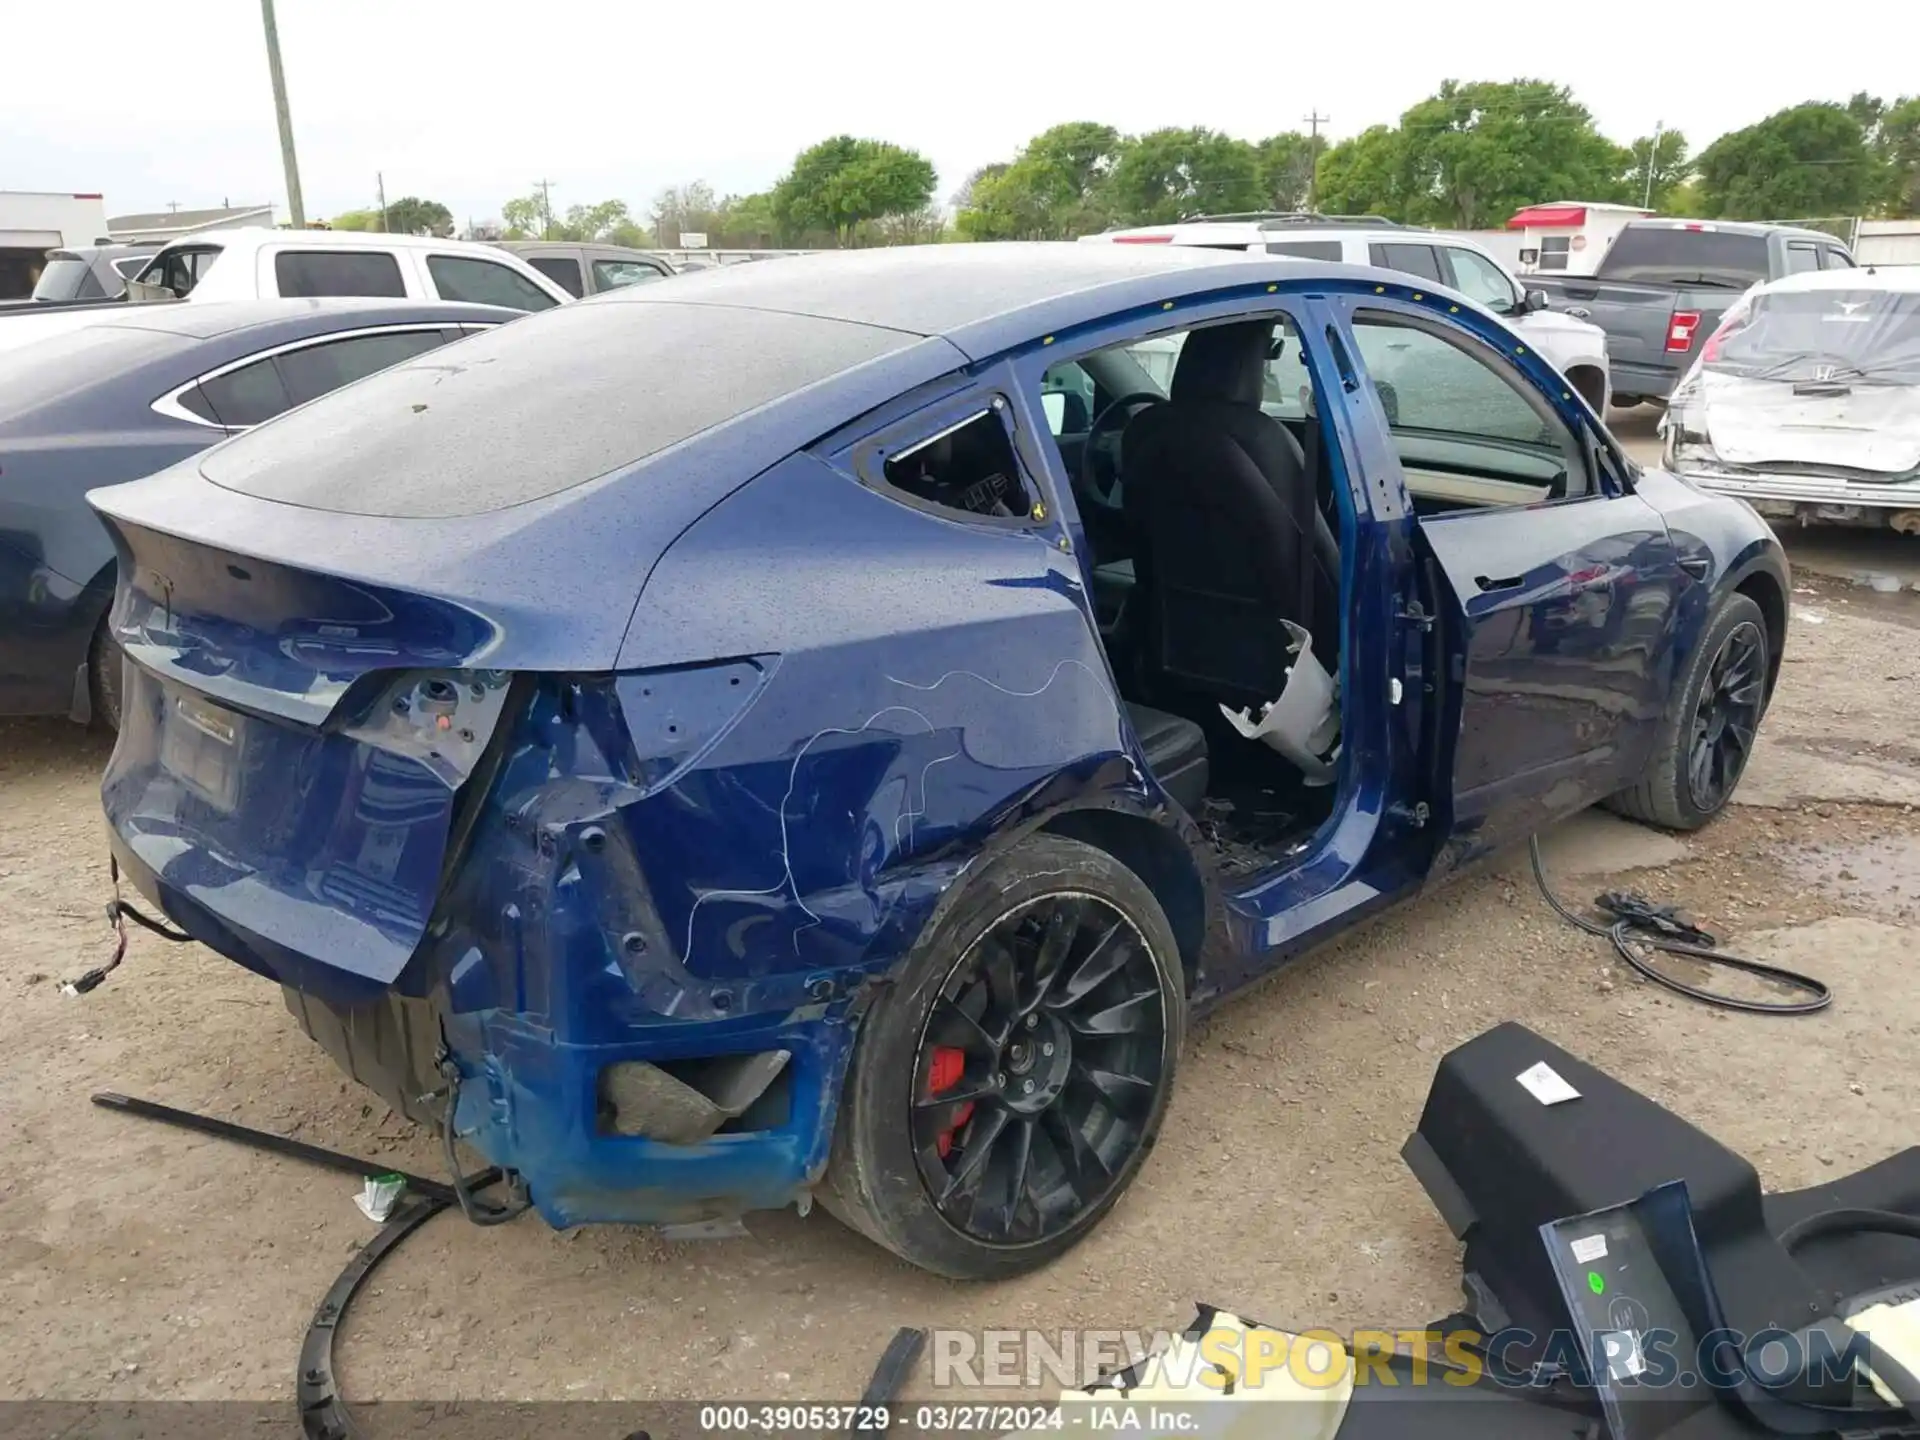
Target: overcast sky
(469, 101)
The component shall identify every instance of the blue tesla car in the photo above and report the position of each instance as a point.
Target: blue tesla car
(819, 730)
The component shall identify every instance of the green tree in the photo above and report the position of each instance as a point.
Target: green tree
(410, 215)
(745, 221)
(1166, 174)
(1365, 175)
(1287, 163)
(1896, 143)
(1808, 161)
(527, 217)
(1665, 159)
(1477, 152)
(356, 220)
(1054, 189)
(594, 222)
(840, 182)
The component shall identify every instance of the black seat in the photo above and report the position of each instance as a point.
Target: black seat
(1225, 524)
(1176, 751)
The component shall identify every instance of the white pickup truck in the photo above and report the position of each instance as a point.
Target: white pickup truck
(255, 264)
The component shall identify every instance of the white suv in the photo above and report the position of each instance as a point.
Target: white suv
(1575, 348)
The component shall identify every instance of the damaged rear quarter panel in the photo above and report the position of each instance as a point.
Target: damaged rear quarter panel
(828, 703)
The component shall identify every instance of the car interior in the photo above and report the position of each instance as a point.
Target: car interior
(1201, 470)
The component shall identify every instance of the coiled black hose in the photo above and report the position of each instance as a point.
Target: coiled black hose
(1638, 921)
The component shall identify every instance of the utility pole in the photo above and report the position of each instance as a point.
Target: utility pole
(380, 181)
(1653, 154)
(1314, 121)
(546, 209)
(296, 207)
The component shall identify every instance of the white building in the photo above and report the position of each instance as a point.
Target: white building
(164, 225)
(1569, 237)
(1887, 242)
(33, 222)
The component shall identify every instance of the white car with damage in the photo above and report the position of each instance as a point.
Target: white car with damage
(1805, 402)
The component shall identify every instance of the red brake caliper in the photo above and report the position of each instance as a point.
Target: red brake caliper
(944, 1070)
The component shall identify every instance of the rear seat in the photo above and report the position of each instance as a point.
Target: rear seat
(1176, 751)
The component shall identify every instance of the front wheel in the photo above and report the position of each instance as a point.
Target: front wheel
(1712, 718)
(1007, 1087)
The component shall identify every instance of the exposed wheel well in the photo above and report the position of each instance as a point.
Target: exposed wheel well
(1158, 857)
(1764, 591)
(1592, 385)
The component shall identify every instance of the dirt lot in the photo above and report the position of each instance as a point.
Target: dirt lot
(145, 1263)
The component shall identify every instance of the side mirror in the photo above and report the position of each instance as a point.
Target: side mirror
(1533, 300)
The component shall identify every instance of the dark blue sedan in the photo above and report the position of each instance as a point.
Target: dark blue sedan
(146, 386)
(819, 730)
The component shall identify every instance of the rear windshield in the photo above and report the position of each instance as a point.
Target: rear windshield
(538, 406)
(1825, 337)
(68, 277)
(1661, 254)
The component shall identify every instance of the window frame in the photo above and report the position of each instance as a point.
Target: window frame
(433, 280)
(594, 262)
(576, 265)
(1811, 251)
(181, 252)
(1558, 246)
(1837, 254)
(870, 453)
(1377, 253)
(169, 404)
(1605, 477)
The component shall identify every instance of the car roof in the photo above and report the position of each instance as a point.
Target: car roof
(1735, 227)
(1893, 279)
(220, 317)
(254, 236)
(981, 298)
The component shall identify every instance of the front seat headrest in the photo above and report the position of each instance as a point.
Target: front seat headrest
(1224, 362)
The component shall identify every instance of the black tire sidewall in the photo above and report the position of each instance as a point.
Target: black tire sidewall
(106, 663)
(1676, 740)
(873, 1181)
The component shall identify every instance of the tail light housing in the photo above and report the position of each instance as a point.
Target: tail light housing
(1680, 331)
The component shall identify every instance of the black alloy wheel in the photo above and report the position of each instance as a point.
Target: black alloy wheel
(1038, 1069)
(1727, 716)
(1706, 733)
(1009, 1080)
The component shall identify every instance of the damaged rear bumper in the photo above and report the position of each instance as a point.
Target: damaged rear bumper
(704, 1125)
(1817, 499)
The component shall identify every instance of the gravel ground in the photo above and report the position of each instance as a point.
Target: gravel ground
(146, 1263)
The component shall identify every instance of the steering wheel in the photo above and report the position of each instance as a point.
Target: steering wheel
(1101, 452)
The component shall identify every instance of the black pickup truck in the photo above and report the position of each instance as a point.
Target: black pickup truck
(1663, 286)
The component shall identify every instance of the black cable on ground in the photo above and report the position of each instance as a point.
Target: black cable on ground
(118, 913)
(1638, 921)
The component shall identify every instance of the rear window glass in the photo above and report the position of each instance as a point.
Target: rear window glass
(67, 277)
(1837, 338)
(538, 407)
(1691, 257)
(307, 273)
(1306, 249)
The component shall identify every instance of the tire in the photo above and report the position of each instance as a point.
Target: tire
(1029, 1192)
(105, 664)
(1669, 794)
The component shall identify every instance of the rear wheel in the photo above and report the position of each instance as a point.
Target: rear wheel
(1006, 1089)
(104, 665)
(1706, 736)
